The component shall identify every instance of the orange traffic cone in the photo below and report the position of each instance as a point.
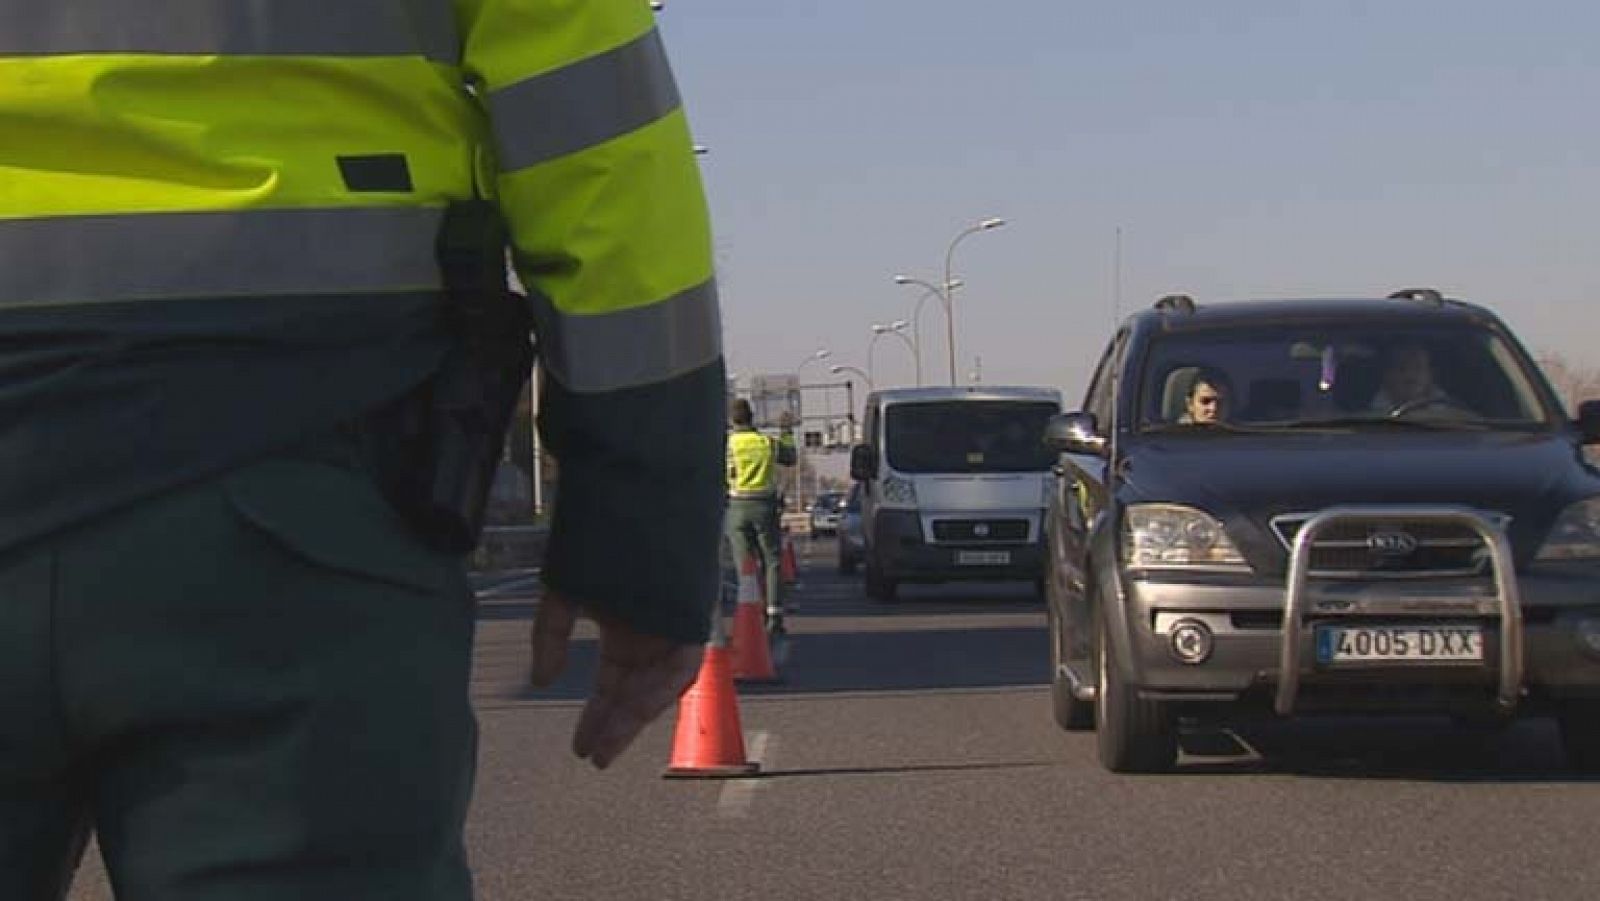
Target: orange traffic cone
(790, 571)
(709, 742)
(752, 658)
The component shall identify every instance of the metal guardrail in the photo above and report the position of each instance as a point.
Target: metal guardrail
(1507, 597)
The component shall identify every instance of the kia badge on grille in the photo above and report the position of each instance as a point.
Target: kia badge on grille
(1391, 543)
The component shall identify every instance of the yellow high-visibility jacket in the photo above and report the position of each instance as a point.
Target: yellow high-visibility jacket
(268, 155)
(753, 461)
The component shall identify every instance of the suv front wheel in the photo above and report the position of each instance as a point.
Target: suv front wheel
(1135, 735)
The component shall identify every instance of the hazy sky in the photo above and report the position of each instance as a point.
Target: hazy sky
(1245, 149)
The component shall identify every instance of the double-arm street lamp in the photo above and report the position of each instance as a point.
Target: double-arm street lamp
(950, 283)
(916, 312)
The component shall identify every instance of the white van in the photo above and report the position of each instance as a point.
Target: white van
(954, 484)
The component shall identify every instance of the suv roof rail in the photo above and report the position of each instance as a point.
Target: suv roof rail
(1425, 295)
(1179, 303)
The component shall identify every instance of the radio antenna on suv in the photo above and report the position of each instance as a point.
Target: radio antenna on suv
(1425, 295)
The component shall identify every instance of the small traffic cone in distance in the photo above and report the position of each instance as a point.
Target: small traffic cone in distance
(709, 742)
(751, 656)
(788, 568)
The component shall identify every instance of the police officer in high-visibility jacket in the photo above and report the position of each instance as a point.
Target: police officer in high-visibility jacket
(754, 499)
(224, 640)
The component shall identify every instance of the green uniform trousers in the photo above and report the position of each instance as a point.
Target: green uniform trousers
(752, 529)
(255, 687)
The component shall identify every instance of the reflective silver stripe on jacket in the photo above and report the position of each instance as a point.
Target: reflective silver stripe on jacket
(231, 27)
(161, 256)
(587, 103)
(628, 348)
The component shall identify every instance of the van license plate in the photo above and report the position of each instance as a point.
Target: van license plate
(983, 558)
(1408, 644)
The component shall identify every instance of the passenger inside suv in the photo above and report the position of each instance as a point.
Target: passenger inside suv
(1196, 395)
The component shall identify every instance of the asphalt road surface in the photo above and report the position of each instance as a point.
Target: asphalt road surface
(909, 754)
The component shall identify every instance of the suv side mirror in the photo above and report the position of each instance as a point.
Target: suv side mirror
(1588, 422)
(1075, 433)
(863, 463)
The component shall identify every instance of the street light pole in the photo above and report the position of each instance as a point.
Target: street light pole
(821, 353)
(840, 370)
(896, 328)
(949, 296)
(878, 331)
(855, 436)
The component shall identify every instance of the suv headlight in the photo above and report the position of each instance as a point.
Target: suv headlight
(1576, 534)
(1171, 536)
(899, 492)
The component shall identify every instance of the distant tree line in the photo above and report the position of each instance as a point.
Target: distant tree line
(1575, 382)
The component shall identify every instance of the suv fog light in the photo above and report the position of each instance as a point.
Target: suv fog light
(1589, 635)
(1191, 641)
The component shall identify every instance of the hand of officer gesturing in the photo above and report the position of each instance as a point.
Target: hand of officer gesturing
(639, 677)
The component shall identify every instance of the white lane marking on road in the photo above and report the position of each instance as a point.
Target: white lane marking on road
(738, 794)
(509, 587)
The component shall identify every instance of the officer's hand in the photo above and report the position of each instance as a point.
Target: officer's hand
(640, 676)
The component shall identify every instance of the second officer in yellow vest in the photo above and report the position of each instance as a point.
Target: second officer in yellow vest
(753, 500)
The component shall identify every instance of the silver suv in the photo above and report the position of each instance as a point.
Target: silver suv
(1333, 506)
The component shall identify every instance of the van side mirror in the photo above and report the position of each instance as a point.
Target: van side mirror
(1588, 422)
(863, 463)
(1075, 433)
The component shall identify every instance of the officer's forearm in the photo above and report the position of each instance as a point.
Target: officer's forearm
(638, 516)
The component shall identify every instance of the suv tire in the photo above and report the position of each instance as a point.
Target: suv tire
(1580, 734)
(1070, 713)
(1135, 735)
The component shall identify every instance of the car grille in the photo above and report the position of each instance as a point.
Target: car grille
(1379, 548)
(980, 530)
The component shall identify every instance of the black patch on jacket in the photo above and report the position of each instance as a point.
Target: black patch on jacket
(382, 172)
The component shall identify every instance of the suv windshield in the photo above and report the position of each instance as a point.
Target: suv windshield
(968, 436)
(1347, 375)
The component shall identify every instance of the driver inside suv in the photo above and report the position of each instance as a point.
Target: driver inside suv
(1206, 402)
(1409, 386)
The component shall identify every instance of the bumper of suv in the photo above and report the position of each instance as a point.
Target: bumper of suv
(1245, 619)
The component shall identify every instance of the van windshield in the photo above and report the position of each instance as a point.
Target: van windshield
(968, 436)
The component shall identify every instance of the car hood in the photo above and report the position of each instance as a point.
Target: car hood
(1246, 480)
